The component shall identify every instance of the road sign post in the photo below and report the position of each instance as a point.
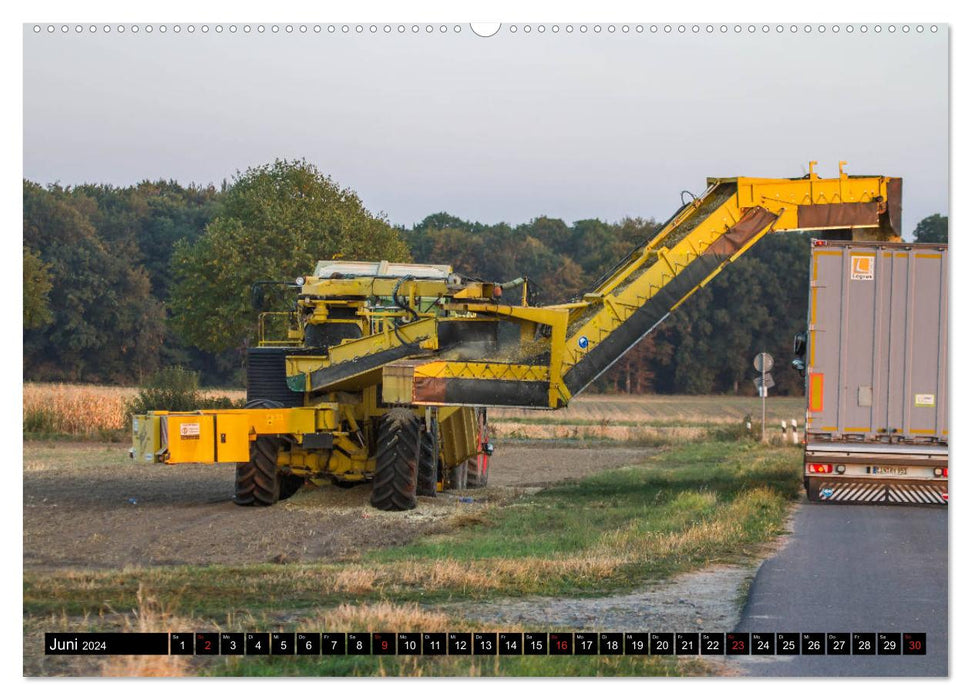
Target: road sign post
(763, 363)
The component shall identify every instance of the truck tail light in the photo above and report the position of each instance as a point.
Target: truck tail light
(820, 468)
(944, 474)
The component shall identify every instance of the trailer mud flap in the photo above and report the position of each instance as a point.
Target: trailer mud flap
(868, 491)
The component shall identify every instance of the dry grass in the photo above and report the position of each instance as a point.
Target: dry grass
(471, 577)
(76, 409)
(649, 419)
(379, 617)
(82, 409)
(150, 616)
(655, 409)
(557, 431)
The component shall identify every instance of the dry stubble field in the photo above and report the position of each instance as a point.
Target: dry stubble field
(89, 512)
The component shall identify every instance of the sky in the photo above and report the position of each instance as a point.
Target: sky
(507, 128)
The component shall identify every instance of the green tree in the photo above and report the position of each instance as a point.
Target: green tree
(105, 325)
(149, 218)
(274, 223)
(37, 286)
(931, 229)
(757, 304)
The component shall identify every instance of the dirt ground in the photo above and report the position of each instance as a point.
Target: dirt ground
(87, 506)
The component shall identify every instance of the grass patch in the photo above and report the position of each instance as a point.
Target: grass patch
(471, 666)
(683, 508)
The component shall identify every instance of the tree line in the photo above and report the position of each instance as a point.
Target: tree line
(122, 281)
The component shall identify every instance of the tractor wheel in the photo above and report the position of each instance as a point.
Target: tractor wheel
(396, 471)
(259, 482)
(458, 477)
(477, 469)
(476, 477)
(427, 466)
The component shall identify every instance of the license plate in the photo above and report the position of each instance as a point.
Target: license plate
(896, 471)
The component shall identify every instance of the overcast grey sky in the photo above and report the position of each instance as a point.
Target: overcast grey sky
(500, 129)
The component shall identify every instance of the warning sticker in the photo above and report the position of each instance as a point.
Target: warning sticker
(861, 267)
(189, 431)
(923, 399)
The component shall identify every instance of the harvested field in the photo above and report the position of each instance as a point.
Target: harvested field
(650, 419)
(87, 506)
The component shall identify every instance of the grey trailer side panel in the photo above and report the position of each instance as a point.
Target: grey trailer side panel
(825, 339)
(878, 342)
(929, 354)
(860, 339)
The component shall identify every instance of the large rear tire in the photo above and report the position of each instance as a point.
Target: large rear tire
(428, 465)
(259, 482)
(396, 471)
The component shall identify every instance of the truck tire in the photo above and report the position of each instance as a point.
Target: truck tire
(812, 490)
(427, 466)
(396, 472)
(259, 482)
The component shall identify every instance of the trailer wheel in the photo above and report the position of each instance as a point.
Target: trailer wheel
(812, 490)
(259, 482)
(427, 466)
(396, 471)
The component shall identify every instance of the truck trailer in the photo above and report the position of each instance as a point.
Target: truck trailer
(875, 359)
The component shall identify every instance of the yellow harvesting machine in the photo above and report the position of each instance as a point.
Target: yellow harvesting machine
(385, 370)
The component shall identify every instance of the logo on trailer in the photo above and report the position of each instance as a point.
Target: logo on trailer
(189, 431)
(583, 342)
(861, 267)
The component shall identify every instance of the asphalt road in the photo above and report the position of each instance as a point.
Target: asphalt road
(854, 569)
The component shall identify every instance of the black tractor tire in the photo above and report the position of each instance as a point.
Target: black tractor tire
(474, 476)
(259, 482)
(477, 468)
(396, 472)
(427, 465)
(458, 477)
